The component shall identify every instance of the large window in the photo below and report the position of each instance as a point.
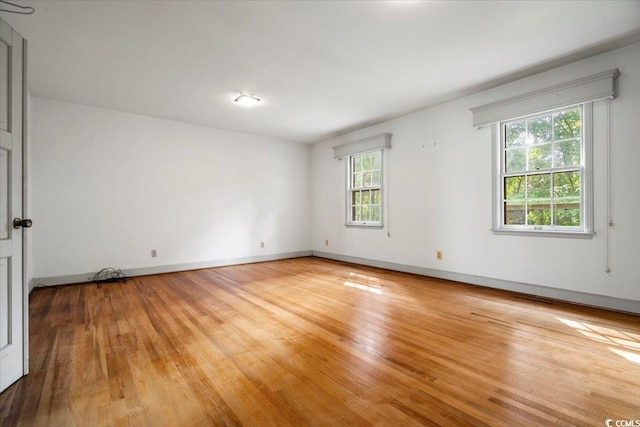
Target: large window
(364, 189)
(543, 171)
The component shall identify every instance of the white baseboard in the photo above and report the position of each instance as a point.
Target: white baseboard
(143, 271)
(583, 298)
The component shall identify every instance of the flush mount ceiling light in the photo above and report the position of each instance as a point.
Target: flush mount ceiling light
(247, 100)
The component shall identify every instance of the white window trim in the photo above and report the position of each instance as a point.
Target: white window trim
(364, 224)
(586, 191)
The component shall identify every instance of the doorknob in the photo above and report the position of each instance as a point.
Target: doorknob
(26, 223)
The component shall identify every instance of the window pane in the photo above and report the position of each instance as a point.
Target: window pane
(366, 162)
(567, 124)
(516, 160)
(375, 213)
(567, 153)
(539, 186)
(540, 129)
(514, 213)
(376, 160)
(365, 213)
(566, 185)
(375, 197)
(366, 197)
(366, 179)
(515, 134)
(514, 188)
(567, 212)
(355, 198)
(357, 180)
(375, 178)
(357, 213)
(540, 157)
(357, 164)
(539, 212)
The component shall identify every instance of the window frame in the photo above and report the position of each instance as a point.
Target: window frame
(585, 230)
(350, 189)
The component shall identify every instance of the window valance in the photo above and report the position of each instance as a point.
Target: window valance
(375, 142)
(591, 88)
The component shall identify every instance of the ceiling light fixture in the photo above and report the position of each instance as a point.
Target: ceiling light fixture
(247, 100)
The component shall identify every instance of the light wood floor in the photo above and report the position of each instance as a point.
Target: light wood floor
(315, 342)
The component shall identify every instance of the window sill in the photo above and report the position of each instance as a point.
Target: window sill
(364, 226)
(545, 233)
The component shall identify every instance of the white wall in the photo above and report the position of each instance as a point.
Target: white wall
(439, 195)
(107, 187)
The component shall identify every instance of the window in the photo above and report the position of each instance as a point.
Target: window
(364, 165)
(543, 172)
(543, 179)
(364, 189)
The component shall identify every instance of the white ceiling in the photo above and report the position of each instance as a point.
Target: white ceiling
(323, 67)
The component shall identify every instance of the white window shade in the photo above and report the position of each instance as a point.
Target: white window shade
(586, 89)
(376, 142)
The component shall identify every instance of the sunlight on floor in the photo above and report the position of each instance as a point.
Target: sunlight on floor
(364, 283)
(626, 344)
(631, 357)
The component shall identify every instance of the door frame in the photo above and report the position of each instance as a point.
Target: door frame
(26, 211)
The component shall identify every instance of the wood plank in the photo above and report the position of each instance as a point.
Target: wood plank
(305, 342)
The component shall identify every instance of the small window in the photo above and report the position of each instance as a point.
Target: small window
(364, 189)
(543, 180)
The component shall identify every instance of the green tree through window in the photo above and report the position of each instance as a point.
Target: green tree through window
(365, 188)
(542, 170)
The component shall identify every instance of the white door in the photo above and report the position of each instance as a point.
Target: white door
(12, 308)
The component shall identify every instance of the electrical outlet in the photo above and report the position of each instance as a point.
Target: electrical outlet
(154, 253)
(326, 242)
(439, 255)
(262, 244)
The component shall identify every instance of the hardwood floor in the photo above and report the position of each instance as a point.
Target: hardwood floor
(315, 342)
